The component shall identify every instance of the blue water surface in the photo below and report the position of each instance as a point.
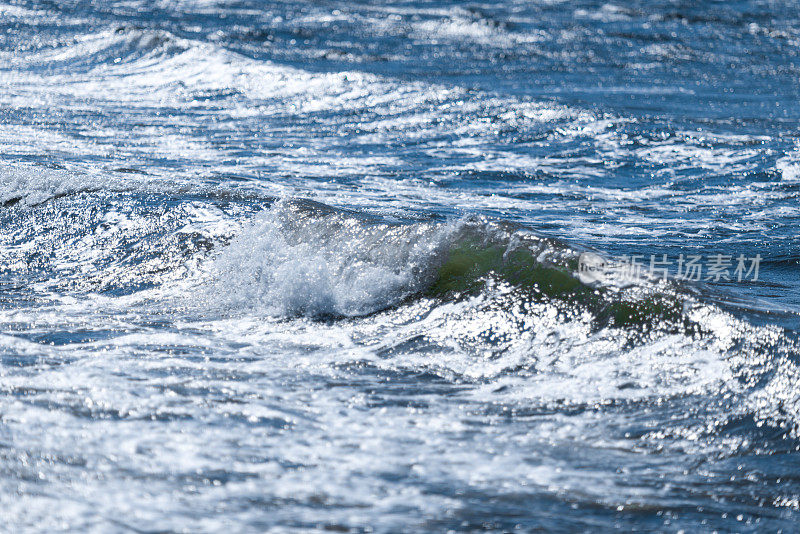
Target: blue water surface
(300, 266)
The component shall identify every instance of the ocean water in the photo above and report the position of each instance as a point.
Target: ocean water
(319, 266)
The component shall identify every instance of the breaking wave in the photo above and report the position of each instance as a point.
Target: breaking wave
(491, 300)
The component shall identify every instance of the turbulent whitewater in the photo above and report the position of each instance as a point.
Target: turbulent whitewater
(289, 266)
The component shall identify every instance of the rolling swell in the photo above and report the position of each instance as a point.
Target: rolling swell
(303, 259)
(345, 265)
(295, 260)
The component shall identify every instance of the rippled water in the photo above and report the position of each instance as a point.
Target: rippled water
(315, 266)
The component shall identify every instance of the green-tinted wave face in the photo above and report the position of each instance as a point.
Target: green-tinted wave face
(542, 270)
(468, 263)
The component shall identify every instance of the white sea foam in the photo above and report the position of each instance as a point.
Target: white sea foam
(32, 185)
(287, 263)
(789, 167)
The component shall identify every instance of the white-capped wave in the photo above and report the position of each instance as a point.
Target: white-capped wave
(287, 263)
(144, 71)
(789, 167)
(31, 185)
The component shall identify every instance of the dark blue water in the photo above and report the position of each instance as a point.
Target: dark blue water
(278, 266)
